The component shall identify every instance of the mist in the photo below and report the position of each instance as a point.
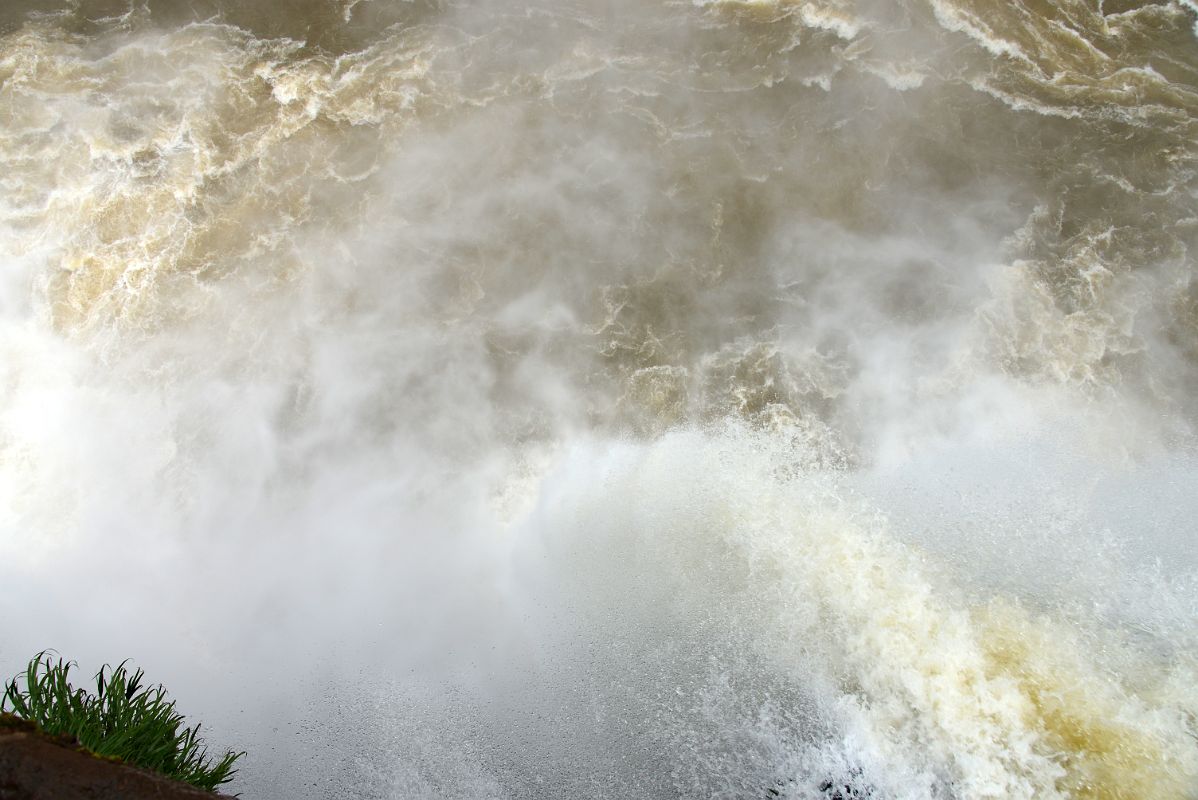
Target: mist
(717, 399)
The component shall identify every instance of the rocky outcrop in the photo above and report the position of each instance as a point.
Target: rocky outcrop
(34, 766)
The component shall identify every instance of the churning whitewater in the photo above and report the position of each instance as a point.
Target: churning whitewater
(612, 399)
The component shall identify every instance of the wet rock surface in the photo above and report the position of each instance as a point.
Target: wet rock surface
(34, 766)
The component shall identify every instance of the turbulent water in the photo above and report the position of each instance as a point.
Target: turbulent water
(580, 399)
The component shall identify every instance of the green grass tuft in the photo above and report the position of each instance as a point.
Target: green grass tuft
(124, 719)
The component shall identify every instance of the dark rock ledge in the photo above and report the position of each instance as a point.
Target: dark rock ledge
(34, 766)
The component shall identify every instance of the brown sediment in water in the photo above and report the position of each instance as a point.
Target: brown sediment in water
(1102, 733)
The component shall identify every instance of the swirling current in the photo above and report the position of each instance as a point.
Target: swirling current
(579, 399)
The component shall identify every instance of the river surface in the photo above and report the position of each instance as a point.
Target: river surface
(580, 399)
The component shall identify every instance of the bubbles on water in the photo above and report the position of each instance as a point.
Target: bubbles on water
(725, 399)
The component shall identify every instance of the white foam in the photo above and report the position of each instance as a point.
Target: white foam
(923, 682)
(955, 18)
(572, 403)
